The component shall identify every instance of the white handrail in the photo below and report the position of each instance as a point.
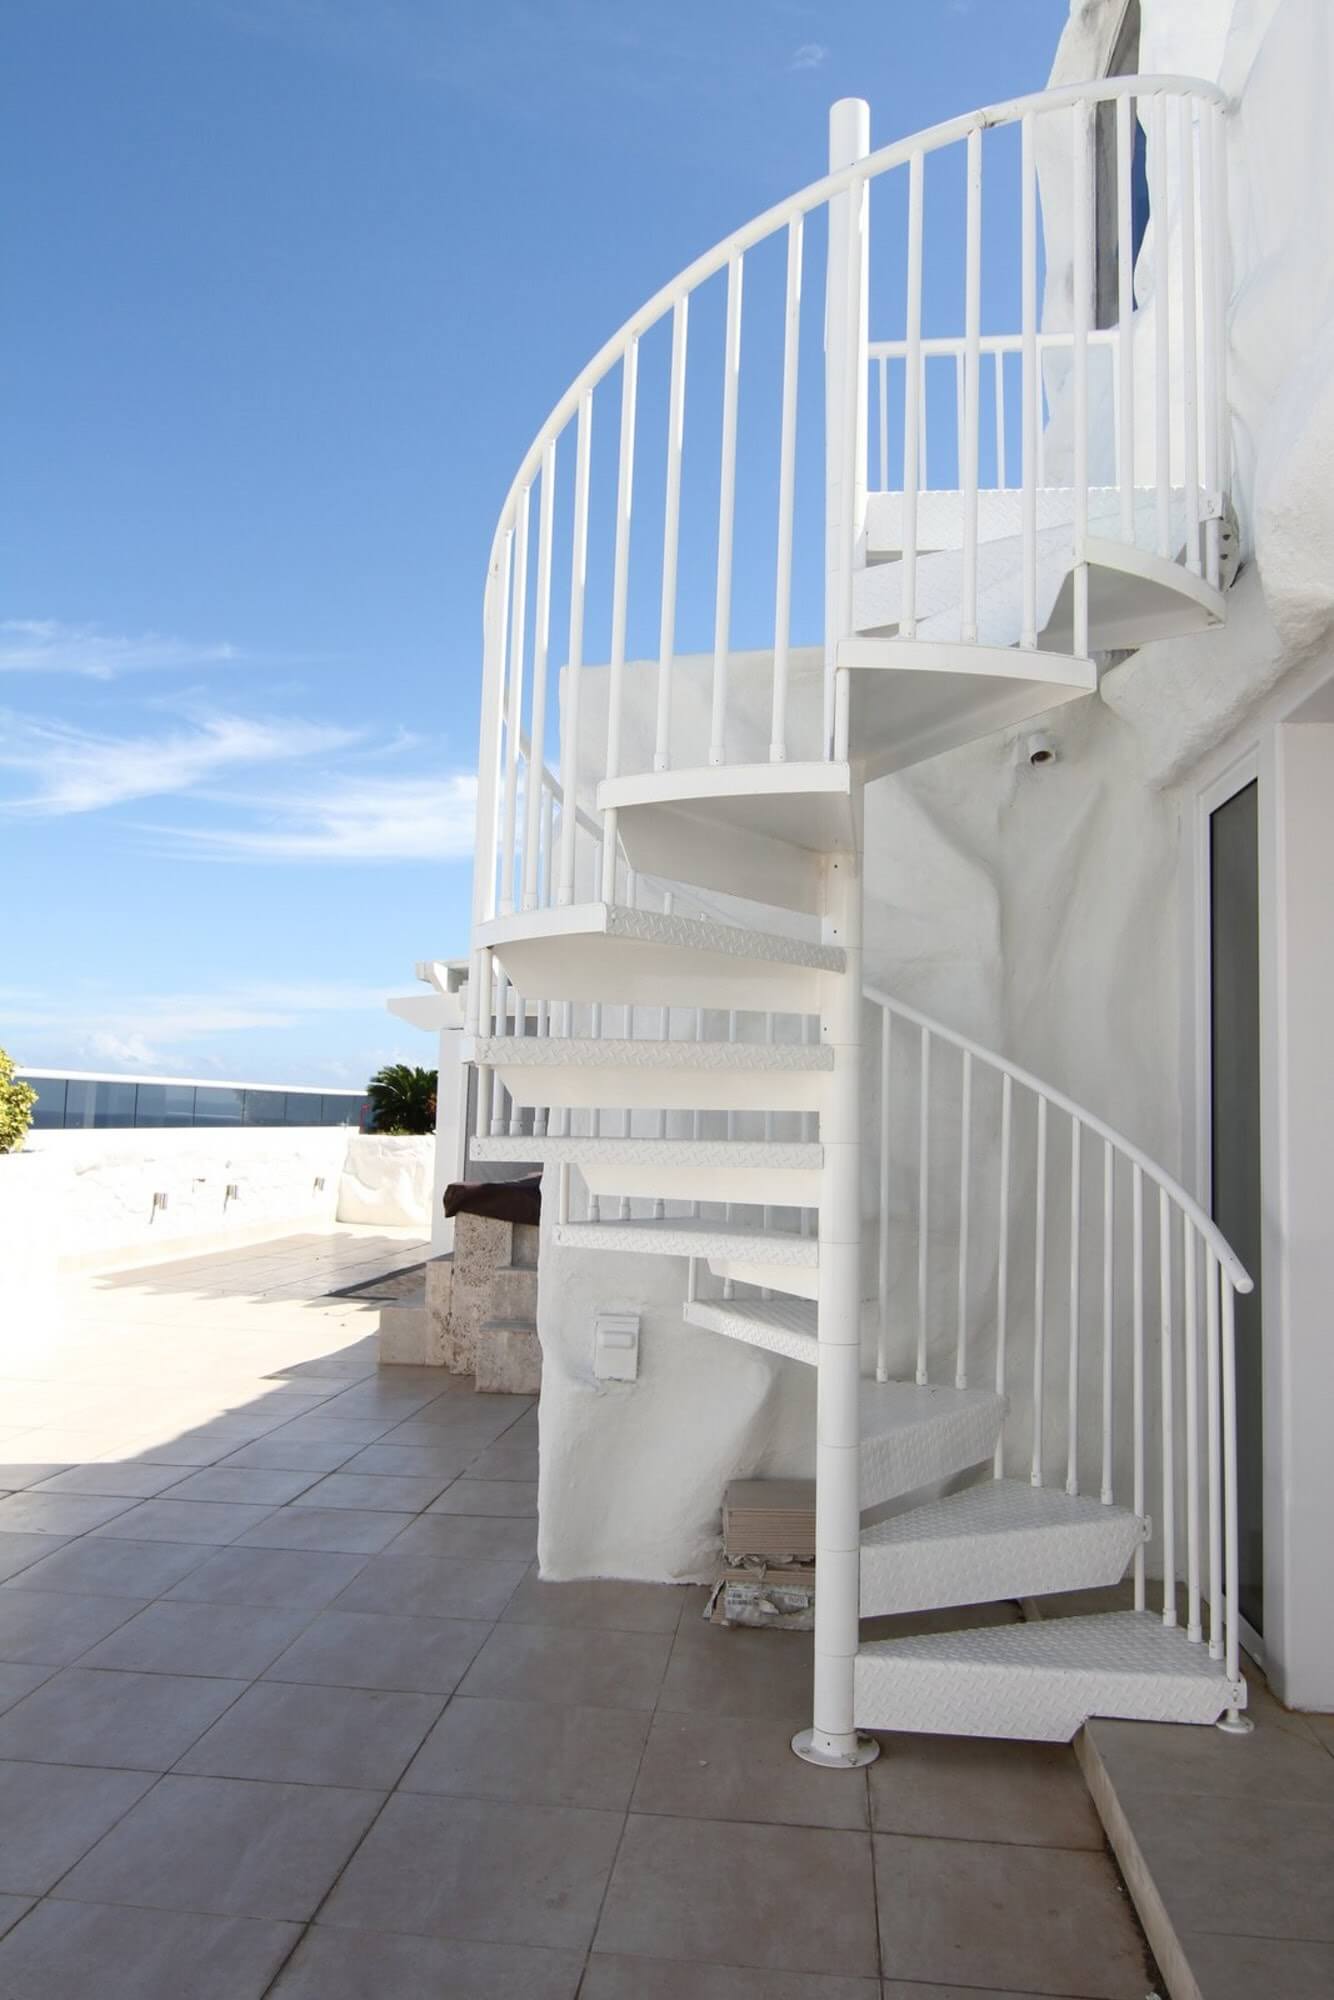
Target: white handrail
(1230, 1263)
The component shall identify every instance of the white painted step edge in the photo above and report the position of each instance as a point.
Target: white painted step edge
(1041, 1681)
(580, 1148)
(1003, 1539)
(782, 1326)
(912, 1436)
(577, 1052)
(688, 1237)
(687, 934)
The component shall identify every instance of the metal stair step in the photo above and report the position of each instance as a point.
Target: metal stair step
(611, 953)
(624, 1074)
(783, 1326)
(773, 1172)
(1042, 1680)
(1002, 1539)
(690, 1236)
(913, 1435)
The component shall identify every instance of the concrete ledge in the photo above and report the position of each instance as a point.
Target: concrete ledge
(509, 1359)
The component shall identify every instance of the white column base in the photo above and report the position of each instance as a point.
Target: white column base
(835, 1753)
(1235, 1723)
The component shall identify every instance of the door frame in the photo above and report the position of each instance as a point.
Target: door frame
(1254, 764)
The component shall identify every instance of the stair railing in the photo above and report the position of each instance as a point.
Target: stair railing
(682, 558)
(970, 1204)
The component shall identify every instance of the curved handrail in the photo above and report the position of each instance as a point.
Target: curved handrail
(899, 151)
(1208, 1229)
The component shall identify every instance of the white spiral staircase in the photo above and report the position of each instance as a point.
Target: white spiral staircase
(697, 1076)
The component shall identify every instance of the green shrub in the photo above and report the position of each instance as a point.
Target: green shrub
(16, 1102)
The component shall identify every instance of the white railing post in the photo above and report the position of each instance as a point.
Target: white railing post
(495, 628)
(569, 722)
(970, 427)
(1125, 308)
(1039, 1293)
(671, 535)
(1166, 1393)
(625, 488)
(1072, 1371)
(722, 603)
(923, 1200)
(514, 722)
(1003, 1258)
(787, 473)
(832, 1739)
(914, 401)
(965, 1182)
(536, 795)
(886, 1057)
(845, 388)
(1030, 382)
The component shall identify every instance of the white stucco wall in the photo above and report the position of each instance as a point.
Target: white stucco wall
(82, 1200)
(1041, 911)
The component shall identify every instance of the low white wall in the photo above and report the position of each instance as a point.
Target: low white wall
(387, 1179)
(87, 1197)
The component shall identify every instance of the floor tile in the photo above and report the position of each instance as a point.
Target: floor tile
(109, 1568)
(51, 1814)
(1018, 1919)
(393, 1493)
(406, 1461)
(226, 1847)
(506, 1461)
(18, 1553)
(363, 1737)
(208, 1521)
(1265, 1871)
(614, 1978)
(337, 1530)
(472, 1868)
(57, 1513)
(15, 1682)
(532, 1752)
(249, 1483)
(966, 1788)
(741, 1768)
(17, 1474)
(466, 1435)
(1271, 1763)
(126, 1480)
(469, 1535)
(488, 1496)
(379, 1398)
(368, 1965)
(11, 1909)
(72, 1951)
(432, 1587)
(793, 1898)
(277, 1452)
(135, 1722)
(571, 1668)
(300, 1578)
(330, 1430)
(230, 1641)
(48, 1627)
(371, 1649)
(596, 1606)
(718, 1670)
(1246, 1968)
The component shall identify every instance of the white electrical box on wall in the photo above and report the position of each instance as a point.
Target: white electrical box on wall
(616, 1346)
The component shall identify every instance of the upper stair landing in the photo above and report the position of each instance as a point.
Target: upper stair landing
(1001, 504)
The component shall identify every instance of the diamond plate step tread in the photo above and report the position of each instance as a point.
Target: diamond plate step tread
(576, 1052)
(583, 1149)
(913, 1435)
(687, 1236)
(683, 933)
(1003, 1539)
(783, 1326)
(1041, 1681)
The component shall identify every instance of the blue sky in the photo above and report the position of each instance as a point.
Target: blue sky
(293, 284)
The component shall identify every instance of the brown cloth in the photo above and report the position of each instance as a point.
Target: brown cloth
(506, 1201)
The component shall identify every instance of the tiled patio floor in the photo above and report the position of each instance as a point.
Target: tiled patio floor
(286, 1710)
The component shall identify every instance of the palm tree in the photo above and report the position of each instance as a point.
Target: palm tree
(402, 1099)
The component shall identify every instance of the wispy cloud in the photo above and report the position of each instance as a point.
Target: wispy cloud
(66, 770)
(811, 55)
(350, 819)
(119, 1029)
(47, 646)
